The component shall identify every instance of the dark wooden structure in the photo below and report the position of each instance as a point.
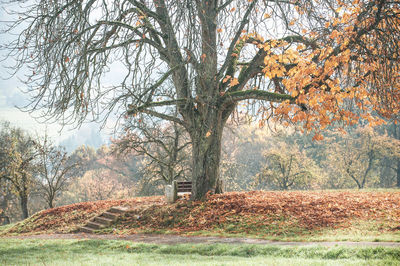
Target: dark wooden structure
(184, 187)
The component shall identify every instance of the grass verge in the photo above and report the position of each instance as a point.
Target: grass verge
(115, 252)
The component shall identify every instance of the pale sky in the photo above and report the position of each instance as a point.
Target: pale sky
(11, 96)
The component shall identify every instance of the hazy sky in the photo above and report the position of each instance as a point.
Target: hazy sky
(11, 96)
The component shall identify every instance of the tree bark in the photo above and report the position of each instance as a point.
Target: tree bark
(24, 206)
(51, 202)
(206, 152)
(371, 157)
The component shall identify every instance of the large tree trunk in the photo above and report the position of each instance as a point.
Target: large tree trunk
(50, 201)
(206, 154)
(24, 206)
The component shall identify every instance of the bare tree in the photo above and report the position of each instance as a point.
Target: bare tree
(285, 168)
(55, 170)
(204, 57)
(164, 148)
(359, 155)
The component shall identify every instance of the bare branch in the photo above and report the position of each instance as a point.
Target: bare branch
(235, 39)
(236, 96)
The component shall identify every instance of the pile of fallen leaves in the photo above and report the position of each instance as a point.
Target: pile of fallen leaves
(256, 212)
(69, 218)
(252, 211)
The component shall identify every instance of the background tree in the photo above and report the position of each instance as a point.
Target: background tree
(285, 168)
(105, 159)
(203, 57)
(97, 184)
(319, 153)
(164, 148)
(87, 158)
(84, 158)
(393, 130)
(359, 156)
(6, 198)
(242, 154)
(55, 170)
(18, 163)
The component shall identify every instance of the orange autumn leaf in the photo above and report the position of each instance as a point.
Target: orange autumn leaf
(226, 79)
(318, 137)
(234, 82)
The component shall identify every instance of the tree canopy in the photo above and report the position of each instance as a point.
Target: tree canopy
(18, 166)
(316, 62)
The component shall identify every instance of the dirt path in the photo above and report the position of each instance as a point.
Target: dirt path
(177, 239)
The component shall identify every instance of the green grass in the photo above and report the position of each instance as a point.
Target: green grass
(114, 252)
(358, 231)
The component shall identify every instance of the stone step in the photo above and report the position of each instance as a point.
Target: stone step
(118, 210)
(95, 225)
(103, 220)
(110, 215)
(87, 230)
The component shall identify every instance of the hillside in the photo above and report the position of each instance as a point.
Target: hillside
(273, 215)
(69, 218)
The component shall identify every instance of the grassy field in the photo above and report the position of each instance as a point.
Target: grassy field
(113, 252)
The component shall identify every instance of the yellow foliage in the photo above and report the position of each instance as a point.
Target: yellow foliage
(226, 79)
(234, 82)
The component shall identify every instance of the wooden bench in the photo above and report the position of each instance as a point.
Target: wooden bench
(184, 187)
